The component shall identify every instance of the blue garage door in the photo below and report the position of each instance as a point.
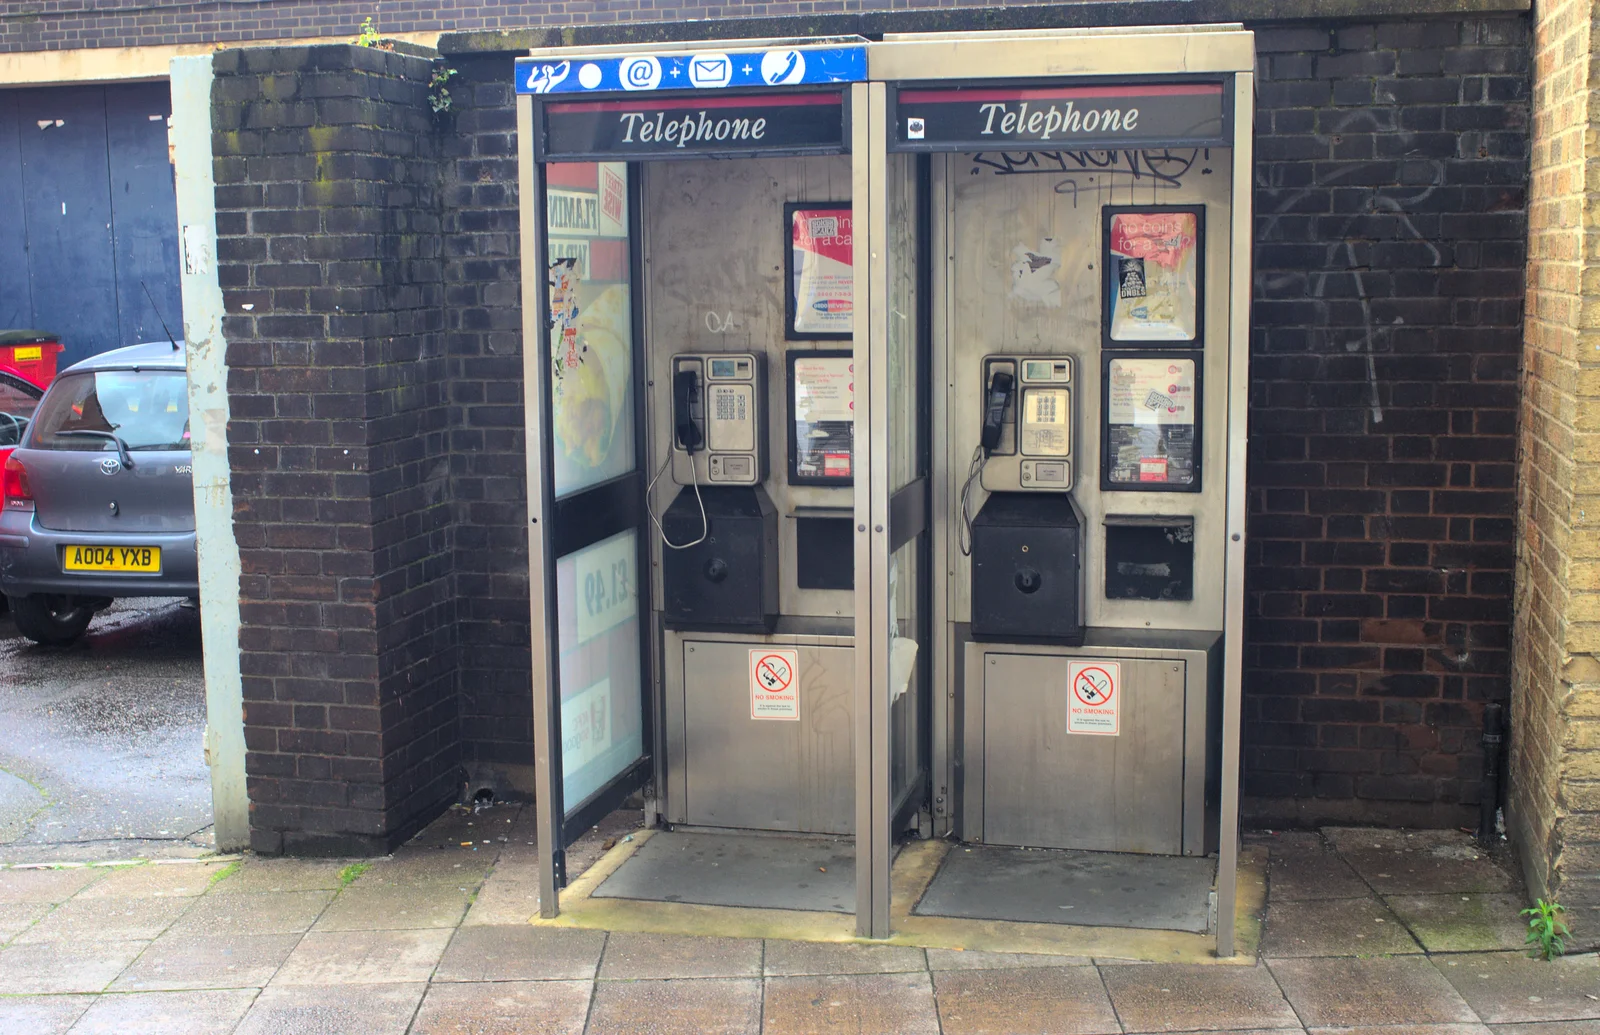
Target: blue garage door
(87, 215)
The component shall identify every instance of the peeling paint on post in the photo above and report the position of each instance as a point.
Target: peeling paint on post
(208, 406)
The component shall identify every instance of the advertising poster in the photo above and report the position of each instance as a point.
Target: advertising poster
(602, 727)
(1152, 272)
(591, 333)
(1151, 423)
(822, 408)
(821, 276)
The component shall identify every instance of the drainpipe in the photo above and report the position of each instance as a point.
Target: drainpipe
(1489, 792)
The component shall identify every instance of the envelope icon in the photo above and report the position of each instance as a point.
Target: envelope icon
(709, 70)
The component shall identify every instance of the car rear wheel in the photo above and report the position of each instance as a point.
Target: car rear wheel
(52, 620)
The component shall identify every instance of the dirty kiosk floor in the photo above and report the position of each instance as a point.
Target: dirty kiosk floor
(1096, 889)
(770, 871)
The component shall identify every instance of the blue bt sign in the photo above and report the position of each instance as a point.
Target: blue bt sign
(710, 70)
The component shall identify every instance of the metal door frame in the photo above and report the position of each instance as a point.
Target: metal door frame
(1062, 55)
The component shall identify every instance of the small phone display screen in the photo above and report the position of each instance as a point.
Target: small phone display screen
(721, 368)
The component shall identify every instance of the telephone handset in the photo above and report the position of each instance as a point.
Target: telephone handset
(685, 395)
(998, 397)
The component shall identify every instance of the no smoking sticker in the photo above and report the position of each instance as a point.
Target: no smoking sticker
(1094, 694)
(774, 684)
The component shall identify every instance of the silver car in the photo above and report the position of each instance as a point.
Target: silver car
(99, 499)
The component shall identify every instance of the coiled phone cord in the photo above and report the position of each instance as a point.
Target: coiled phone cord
(705, 524)
(974, 471)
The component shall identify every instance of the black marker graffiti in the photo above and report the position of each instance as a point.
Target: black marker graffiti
(1157, 168)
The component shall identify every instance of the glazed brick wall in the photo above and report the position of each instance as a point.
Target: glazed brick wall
(328, 219)
(1391, 228)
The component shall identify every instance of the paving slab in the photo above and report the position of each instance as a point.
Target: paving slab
(504, 901)
(699, 1006)
(494, 824)
(41, 1014)
(517, 952)
(271, 912)
(1303, 869)
(1334, 927)
(1030, 1001)
(973, 959)
(850, 1004)
(791, 959)
(412, 866)
(1331, 993)
(1408, 1029)
(45, 885)
(16, 917)
(363, 957)
(1510, 987)
(1170, 997)
(174, 962)
(212, 1012)
(384, 1009)
(76, 966)
(389, 907)
(639, 956)
(258, 874)
(155, 880)
(504, 1008)
(1419, 862)
(106, 919)
(1548, 1028)
(1463, 923)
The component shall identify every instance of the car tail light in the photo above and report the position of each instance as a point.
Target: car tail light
(14, 484)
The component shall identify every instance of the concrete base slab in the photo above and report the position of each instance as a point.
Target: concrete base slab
(1463, 923)
(758, 871)
(1096, 889)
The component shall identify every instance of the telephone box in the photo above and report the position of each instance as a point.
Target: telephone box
(886, 410)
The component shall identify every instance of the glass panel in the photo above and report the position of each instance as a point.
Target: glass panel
(597, 607)
(904, 758)
(591, 332)
(903, 359)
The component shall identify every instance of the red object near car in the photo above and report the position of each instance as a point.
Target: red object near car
(19, 397)
(33, 354)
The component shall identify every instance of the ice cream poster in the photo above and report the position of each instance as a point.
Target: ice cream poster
(591, 330)
(1152, 273)
(821, 275)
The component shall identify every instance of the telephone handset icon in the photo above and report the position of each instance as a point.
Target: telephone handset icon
(685, 393)
(996, 400)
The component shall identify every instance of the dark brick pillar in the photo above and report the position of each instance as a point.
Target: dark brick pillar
(1391, 230)
(329, 244)
(489, 463)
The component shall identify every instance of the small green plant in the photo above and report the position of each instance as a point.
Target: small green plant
(369, 34)
(351, 872)
(223, 874)
(438, 89)
(1546, 929)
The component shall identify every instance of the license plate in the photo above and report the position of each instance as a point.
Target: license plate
(146, 559)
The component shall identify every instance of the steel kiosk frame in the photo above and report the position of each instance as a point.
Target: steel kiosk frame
(1222, 53)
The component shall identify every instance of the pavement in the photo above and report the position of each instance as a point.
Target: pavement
(1367, 932)
(100, 742)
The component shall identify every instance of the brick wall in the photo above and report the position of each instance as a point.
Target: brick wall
(1554, 808)
(488, 463)
(1390, 230)
(328, 222)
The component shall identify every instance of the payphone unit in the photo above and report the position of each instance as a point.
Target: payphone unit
(720, 566)
(1026, 540)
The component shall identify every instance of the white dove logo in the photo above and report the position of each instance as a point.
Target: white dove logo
(544, 78)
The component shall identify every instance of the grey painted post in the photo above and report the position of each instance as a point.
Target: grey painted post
(208, 428)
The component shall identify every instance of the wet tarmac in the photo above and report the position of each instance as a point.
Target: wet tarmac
(100, 742)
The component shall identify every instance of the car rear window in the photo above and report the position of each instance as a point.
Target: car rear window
(147, 409)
